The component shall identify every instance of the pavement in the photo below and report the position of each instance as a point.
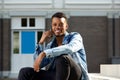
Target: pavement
(93, 76)
(98, 76)
(7, 79)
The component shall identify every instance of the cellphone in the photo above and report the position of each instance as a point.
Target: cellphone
(51, 31)
(51, 35)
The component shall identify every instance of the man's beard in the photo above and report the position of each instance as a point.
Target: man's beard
(60, 35)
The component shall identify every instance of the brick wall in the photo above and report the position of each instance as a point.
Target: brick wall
(1, 57)
(5, 44)
(94, 33)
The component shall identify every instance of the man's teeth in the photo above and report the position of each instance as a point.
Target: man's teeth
(57, 31)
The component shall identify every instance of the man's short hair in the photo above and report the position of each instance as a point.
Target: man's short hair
(59, 15)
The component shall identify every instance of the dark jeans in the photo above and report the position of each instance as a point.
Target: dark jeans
(65, 69)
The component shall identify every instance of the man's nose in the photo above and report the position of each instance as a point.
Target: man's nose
(58, 26)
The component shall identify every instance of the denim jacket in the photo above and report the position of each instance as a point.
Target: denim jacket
(72, 45)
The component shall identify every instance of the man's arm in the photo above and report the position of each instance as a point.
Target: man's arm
(74, 45)
(40, 60)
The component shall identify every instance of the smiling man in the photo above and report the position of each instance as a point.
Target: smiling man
(64, 55)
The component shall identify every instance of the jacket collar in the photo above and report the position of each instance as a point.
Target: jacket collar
(66, 37)
(65, 40)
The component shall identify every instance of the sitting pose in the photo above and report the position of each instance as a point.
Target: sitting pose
(64, 55)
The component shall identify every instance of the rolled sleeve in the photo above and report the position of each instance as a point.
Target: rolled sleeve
(57, 51)
(48, 52)
(38, 50)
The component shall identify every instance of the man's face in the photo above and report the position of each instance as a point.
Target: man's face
(59, 26)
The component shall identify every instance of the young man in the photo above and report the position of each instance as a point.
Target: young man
(64, 55)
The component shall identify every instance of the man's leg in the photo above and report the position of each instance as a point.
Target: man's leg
(26, 73)
(66, 68)
(75, 72)
(29, 74)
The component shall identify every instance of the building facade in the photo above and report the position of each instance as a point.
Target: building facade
(22, 23)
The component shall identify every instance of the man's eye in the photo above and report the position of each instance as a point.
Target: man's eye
(54, 24)
(61, 24)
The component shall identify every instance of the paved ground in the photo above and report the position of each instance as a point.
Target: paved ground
(93, 76)
(7, 79)
(97, 76)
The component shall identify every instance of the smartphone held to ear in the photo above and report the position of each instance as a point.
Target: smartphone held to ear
(51, 33)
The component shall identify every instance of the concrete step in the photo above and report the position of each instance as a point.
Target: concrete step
(112, 70)
(7, 79)
(97, 76)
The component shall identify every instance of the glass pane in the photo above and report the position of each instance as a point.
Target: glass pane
(28, 42)
(24, 22)
(39, 34)
(32, 22)
(15, 42)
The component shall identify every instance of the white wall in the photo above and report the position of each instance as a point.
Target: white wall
(27, 1)
(89, 1)
(60, 4)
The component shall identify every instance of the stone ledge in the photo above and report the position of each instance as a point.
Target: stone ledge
(112, 70)
(98, 76)
(7, 79)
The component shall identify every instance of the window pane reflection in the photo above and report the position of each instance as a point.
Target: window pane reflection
(16, 42)
(39, 34)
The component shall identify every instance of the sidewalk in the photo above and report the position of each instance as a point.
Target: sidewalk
(98, 76)
(93, 76)
(7, 79)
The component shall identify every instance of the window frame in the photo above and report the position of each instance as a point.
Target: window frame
(20, 40)
(18, 27)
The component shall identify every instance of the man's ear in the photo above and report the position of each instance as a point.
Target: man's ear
(67, 26)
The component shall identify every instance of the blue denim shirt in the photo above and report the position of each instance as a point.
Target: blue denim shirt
(72, 45)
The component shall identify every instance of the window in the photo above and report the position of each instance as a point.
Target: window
(26, 33)
(24, 22)
(32, 22)
(16, 42)
(39, 34)
(25, 44)
(27, 22)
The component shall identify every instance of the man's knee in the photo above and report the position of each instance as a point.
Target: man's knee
(62, 59)
(25, 70)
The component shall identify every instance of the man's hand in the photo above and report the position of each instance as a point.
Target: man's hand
(38, 61)
(45, 36)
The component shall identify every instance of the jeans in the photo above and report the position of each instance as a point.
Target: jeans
(65, 69)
